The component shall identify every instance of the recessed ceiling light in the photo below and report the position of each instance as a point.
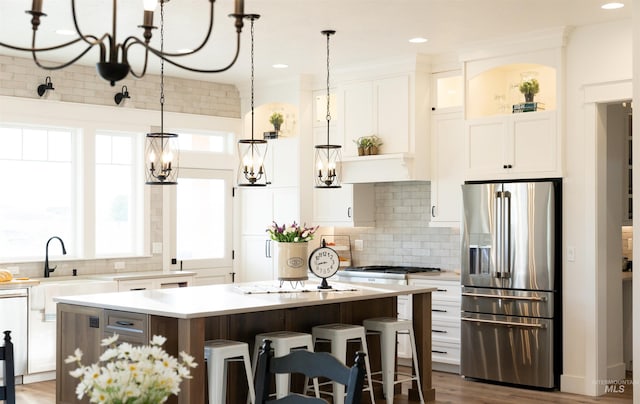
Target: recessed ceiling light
(279, 66)
(65, 32)
(612, 6)
(418, 40)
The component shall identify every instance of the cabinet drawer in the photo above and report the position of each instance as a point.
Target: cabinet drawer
(131, 327)
(445, 352)
(446, 290)
(445, 310)
(447, 331)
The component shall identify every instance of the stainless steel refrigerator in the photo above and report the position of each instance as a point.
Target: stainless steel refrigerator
(511, 274)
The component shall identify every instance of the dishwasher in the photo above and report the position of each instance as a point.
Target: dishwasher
(13, 306)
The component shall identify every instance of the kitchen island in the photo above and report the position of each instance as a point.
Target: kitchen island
(189, 316)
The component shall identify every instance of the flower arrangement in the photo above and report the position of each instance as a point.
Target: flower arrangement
(131, 374)
(529, 88)
(291, 234)
(276, 120)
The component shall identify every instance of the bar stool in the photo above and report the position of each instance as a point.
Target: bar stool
(218, 353)
(389, 328)
(284, 342)
(339, 335)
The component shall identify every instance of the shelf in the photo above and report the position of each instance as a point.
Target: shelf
(342, 245)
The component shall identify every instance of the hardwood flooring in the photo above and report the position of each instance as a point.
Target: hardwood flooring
(450, 388)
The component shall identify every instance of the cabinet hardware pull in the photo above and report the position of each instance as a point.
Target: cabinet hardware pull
(440, 352)
(507, 323)
(441, 331)
(504, 166)
(125, 323)
(433, 213)
(534, 298)
(441, 290)
(439, 310)
(349, 212)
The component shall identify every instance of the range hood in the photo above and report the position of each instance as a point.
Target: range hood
(384, 168)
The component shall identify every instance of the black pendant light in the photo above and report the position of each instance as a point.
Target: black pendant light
(328, 158)
(252, 152)
(162, 148)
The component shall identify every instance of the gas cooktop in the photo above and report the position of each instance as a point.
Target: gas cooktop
(391, 269)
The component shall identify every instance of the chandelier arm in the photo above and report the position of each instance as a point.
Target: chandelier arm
(77, 27)
(62, 66)
(144, 66)
(164, 57)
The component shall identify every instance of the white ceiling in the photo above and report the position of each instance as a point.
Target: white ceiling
(289, 30)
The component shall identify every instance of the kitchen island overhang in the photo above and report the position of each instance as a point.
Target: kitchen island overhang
(189, 316)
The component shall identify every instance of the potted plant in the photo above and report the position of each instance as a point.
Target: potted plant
(363, 143)
(529, 88)
(276, 120)
(292, 255)
(374, 144)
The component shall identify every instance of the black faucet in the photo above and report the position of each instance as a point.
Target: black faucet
(48, 270)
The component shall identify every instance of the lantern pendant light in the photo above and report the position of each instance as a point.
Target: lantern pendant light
(328, 158)
(252, 152)
(162, 148)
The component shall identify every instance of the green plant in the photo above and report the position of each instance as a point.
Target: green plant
(363, 142)
(375, 141)
(276, 119)
(530, 87)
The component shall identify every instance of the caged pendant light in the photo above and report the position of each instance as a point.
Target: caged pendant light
(252, 152)
(328, 157)
(162, 148)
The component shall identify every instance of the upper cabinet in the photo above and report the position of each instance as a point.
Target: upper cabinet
(510, 134)
(395, 108)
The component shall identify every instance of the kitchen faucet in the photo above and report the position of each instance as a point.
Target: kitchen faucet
(48, 270)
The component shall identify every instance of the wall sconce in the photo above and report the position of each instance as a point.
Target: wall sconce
(48, 85)
(123, 94)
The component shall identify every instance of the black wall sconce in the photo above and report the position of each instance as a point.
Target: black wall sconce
(48, 85)
(123, 94)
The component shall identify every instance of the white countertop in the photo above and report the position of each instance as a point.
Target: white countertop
(216, 300)
(436, 276)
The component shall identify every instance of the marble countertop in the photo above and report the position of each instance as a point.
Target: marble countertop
(226, 299)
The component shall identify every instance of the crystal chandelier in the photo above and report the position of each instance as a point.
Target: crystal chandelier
(252, 152)
(113, 64)
(328, 156)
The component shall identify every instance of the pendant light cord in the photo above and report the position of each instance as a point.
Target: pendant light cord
(252, 76)
(162, 67)
(328, 93)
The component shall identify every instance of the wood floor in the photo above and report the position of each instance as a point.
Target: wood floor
(450, 388)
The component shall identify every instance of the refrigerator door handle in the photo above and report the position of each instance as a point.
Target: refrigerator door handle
(507, 236)
(505, 323)
(499, 214)
(530, 298)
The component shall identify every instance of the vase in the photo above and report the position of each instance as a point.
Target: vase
(528, 97)
(292, 261)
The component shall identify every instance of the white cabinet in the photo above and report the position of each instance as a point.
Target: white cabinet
(281, 162)
(447, 168)
(445, 315)
(351, 205)
(381, 107)
(525, 145)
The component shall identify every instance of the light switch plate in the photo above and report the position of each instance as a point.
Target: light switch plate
(571, 254)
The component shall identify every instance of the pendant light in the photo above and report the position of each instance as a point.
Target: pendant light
(162, 148)
(252, 152)
(328, 158)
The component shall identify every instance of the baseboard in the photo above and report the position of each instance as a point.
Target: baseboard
(39, 377)
(617, 371)
(445, 367)
(578, 385)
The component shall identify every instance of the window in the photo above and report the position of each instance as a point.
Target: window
(39, 202)
(118, 202)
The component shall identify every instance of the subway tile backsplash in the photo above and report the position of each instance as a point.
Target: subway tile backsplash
(402, 235)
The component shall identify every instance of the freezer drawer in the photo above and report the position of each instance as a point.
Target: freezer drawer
(508, 302)
(507, 349)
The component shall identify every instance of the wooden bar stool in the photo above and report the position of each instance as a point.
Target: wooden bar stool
(283, 342)
(218, 353)
(389, 328)
(339, 335)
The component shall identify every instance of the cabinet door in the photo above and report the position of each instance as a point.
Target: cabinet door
(534, 145)
(392, 113)
(447, 169)
(351, 205)
(404, 313)
(256, 207)
(255, 258)
(286, 206)
(485, 143)
(282, 162)
(357, 114)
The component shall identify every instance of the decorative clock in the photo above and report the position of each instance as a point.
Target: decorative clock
(324, 263)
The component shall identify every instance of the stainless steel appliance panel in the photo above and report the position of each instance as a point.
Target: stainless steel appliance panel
(510, 349)
(508, 302)
(529, 235)
(479, 235)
